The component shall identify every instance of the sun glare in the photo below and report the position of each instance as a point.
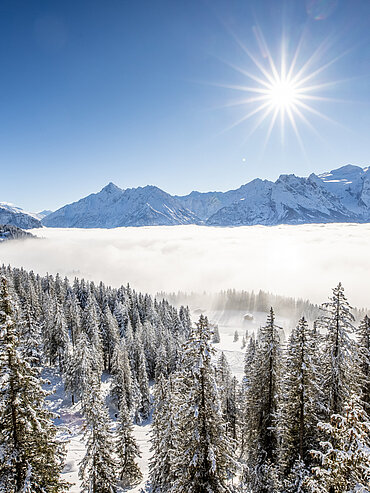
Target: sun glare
(284, 90)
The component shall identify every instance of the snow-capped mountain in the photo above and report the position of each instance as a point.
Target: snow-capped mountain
(341, 195)
(351, 184)
(10, 214)
(290, 200)
(40, 215)
(204, 205)
(113, 207)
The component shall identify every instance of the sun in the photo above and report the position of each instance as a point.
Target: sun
(283, 94)
(282, 90)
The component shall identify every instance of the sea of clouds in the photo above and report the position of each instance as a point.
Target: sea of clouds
(301, 261)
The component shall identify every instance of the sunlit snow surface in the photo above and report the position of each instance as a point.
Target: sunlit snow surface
(301, 261)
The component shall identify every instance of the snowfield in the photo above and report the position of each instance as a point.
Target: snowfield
(300, 261)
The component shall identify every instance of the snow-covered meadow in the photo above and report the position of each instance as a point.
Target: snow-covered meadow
(300, 261)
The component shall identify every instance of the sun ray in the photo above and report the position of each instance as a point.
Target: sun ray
(246, 73)
(317, 113)
(320, 69)
(298, 112)
(247, 116)
(240, 102)
(296, 131)
(271, 126)
(258, 123)
(254, 60)
(311, 60)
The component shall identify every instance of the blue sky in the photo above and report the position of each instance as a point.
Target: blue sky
(138, 92)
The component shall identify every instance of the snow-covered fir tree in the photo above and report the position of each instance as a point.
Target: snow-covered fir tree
(81, 368)
(98, 467)
(300, 407)
(363, 341)
(143, 409)
(262, 405)
(339, 361)
(126, 448)
(31, 455)
(110, 336)
(204, 456)
(164, 438)
(345, 454)
(228, 392)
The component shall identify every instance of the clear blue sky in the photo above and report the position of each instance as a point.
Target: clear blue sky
(134, 92)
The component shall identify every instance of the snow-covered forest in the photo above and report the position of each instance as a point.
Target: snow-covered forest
(298, 420)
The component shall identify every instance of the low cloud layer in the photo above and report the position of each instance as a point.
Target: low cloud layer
(301, 261)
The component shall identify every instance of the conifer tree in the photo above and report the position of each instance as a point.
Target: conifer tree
(345, 457)
(161, 362)
(224, 382)
(97, 468)
(30, 336)
(91, 326)
(164, 440)
(204, 458)
(262, 405)
(110, 337)
(363, 341)
(143, 384)
(340, 368)
(31, 456)
(126, 448)
(216, 335)
(73, 317)
(122, 382)
(80, 369)
(299, 406)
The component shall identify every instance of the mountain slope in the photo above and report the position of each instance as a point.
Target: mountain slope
(206, 204)
(10, 214)
(113, 207)
(290, 200)
(351, 184)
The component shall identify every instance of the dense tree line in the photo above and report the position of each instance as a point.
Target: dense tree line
(251, 301)
(297, 422)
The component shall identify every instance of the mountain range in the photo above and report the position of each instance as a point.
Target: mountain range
(341, 195)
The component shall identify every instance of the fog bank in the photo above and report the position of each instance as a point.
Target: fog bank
(300, 261)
